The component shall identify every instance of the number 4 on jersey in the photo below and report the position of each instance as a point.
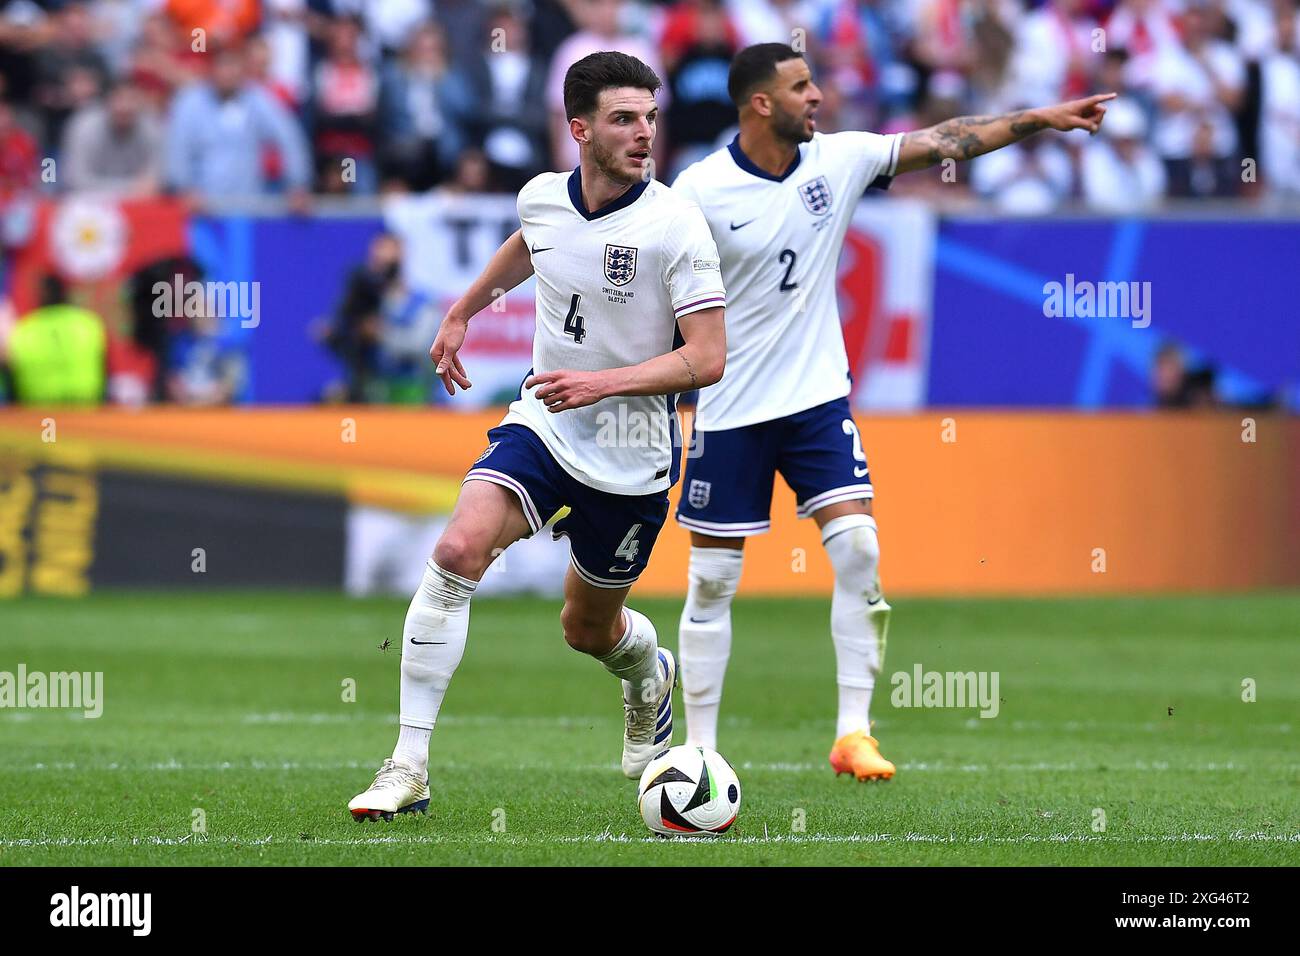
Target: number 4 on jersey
(574, 324)
(630, 546)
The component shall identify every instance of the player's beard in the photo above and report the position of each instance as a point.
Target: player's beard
(606, 162)
(790, 128)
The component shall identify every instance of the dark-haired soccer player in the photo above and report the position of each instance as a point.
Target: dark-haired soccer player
(779, 200)
(621, 262)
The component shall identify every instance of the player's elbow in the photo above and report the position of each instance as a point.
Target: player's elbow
(715, 364)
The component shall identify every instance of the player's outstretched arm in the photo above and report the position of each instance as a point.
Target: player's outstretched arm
(966, 137)
(696, 364)
(509, 266)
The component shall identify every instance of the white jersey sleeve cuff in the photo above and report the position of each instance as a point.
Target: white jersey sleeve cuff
(714, 300)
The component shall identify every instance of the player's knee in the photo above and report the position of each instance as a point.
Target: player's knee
(714, 575)
(854, 550)
(584, 632)
(460, 554)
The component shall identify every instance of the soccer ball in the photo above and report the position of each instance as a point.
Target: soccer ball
(689, 790)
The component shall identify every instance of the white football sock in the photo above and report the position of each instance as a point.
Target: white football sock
(704, 638)
(859, 616)
(433, 642)
(635, 659)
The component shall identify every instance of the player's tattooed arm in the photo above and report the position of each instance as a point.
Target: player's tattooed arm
(695, 380)
(696, 364)
(966, 137)
(510, 265)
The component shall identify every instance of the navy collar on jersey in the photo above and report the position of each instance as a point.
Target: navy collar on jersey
(745, 163)
(623, 201)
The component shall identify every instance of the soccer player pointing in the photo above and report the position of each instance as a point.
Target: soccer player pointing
(623, 264)
(779, 200)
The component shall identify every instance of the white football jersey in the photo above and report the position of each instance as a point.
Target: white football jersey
(611, 286)
(780, 239)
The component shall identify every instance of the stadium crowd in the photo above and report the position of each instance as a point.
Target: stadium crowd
(224, 102)
(245, 98)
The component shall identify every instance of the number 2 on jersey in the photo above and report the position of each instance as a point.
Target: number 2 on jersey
(574, 324)
(788, 257)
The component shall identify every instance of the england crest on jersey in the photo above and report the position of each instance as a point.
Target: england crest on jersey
(816, 196)
(699, 493)
(620, 264)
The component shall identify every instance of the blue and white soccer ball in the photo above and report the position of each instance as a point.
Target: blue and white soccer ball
(689, 790)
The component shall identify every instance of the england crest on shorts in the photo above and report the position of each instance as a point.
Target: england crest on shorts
(620, 264)
(816, 196)
(698, 494)
(490, 449)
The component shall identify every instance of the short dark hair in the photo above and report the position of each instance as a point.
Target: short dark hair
(754, 66)
(593, 74)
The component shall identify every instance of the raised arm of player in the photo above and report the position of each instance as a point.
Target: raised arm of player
(966, 137)
(699, 362)
(509, 266)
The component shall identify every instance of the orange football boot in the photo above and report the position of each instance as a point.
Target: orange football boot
(858, 753)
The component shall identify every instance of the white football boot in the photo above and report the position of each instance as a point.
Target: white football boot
(648, 726)
(397, 789)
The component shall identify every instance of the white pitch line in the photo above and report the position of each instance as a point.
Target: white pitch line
(1141, 766)
(582, 721)
(795, 839)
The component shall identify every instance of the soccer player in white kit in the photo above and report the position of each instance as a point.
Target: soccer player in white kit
(779, 200)
(629, 313)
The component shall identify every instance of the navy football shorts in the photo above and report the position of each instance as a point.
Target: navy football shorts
(610, 536)
(727, 491)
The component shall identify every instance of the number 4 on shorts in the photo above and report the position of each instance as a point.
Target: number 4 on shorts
(628, 549)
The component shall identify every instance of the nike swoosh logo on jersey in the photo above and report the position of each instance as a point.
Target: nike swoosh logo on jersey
(414, 641)
(734, 227)
(547, 249)
(877, 600)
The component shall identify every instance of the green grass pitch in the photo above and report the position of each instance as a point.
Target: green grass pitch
(232, 705)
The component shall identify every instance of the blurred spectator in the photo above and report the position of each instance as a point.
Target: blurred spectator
(113, 146)
(216, 132)
(345, 104)
(355, 330)
(772, 21)
(70, 71)
(386, 23)
(161, 62)
(116, 25)
(1030, 177)
(204, 368)
(19, 166)
(257, 59)
(1053, 59)
(1279, 134)
(1175, 386)
(698, 43)
(422, 136)
(1198, 87)
(223, 22)
(506, 82)
(408, 325)
(473, 174)
(137, 362)
(1140, 29)
(284, 35)
(601, 28)
(56, 353)
(1120, 172)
